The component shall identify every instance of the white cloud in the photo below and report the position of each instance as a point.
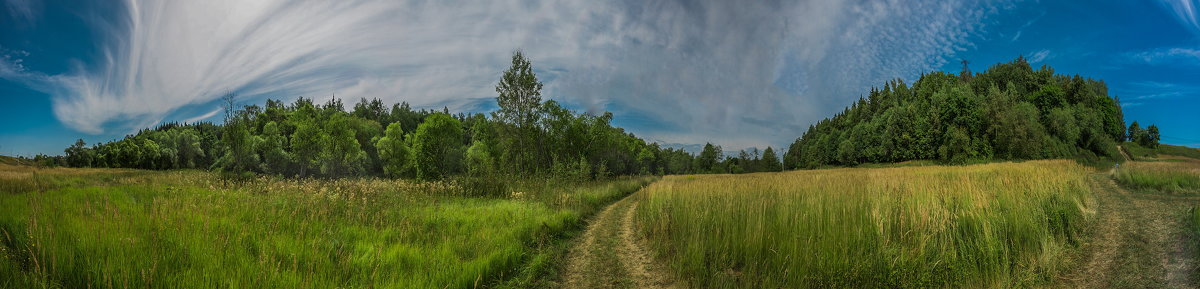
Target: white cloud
(1038, 56)
(11, 63)
(1185, 12)
(202, 117)
(1146, 90)
(1166, 56)
(1021, 30)
(740, 73)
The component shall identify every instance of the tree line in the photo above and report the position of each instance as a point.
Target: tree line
(1010, 111)
(525, 136)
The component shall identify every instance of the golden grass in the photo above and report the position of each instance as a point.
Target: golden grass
(1171, 174)
(991, 225)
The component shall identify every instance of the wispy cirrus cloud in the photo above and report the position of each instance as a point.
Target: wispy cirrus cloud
(1038, 56)
(1021, 30)
(1173, 55)
(23, 11)
(11, 62)
(1185, 12)
(739, 73)
(1139, 92)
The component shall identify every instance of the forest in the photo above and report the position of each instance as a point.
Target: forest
(1009, 112)
(305, 139)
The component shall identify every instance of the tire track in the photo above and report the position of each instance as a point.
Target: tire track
(610, 254)
(1139, 241)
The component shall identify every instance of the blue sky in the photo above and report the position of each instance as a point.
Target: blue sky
(736, 73)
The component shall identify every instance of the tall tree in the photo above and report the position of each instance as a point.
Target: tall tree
(275, 159)
(437, 145)
(519, 100)
(306, 140)
(396, 157)
(341, 154)
(520, 94)
(239, 145)
(771, 161)
(1152, 136)
(709, 158)
(1134, 132)
(78, 155)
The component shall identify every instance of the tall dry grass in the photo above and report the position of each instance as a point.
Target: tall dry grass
(991, 225)
(1172, 175)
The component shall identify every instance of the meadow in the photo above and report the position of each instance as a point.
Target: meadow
(1141, 153)
(1167, 175)
(108, 228)
(990, 225)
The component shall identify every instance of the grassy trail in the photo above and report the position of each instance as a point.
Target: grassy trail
(1139, 242)
(1123, 153)
(611, 255)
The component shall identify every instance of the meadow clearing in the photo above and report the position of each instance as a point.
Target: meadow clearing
(990, 225)
(106, 228)
(1169, 174)
(994, 225)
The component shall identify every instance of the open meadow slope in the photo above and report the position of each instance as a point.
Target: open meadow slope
(1032, 224)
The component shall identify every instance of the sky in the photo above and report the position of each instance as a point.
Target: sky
(735, 73)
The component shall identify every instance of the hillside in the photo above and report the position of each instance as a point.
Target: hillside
(1010, 111)
(8, 160)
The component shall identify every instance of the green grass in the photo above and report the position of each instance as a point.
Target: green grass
(1166, 177)
(1193, 231)
(1141, 153)
(1194, 221)
(993, 225)
(7, 160)
(190, 229)
(1179, 151)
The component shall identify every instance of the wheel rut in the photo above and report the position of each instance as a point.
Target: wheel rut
(1139, 241)
(611, 254)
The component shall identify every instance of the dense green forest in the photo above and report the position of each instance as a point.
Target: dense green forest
(304, 139)
(1010, 111)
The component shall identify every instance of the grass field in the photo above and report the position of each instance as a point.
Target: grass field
(991, 225)
(1143, 153)
(1168, 175)
(81, 228)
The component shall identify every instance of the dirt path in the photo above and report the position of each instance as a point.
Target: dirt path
(610, 254)
(1139, 241)
(1124, 153)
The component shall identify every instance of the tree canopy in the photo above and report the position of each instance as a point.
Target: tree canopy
(526, 136)
(1010, 111)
